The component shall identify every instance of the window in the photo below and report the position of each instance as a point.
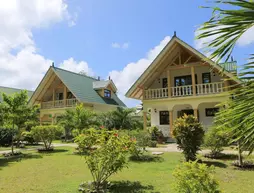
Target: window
(107, 93)
(206, 77)
(59, 96)
(164, 118)
(164, 83)
(70, 95)
(210, 112)
(184, 80)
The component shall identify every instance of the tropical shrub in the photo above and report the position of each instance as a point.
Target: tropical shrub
(216, 139)
(28, 137)
(189, 134)
(46, 134)
(156, 134)
(87, 139)
(6, 134)
(109, 158)
(193, 177)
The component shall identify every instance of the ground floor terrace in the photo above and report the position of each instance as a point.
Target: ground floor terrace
(164, 112)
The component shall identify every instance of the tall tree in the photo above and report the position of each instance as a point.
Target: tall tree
(225, 28)
(17, 113)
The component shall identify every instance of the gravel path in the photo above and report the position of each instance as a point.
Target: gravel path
(167, 148)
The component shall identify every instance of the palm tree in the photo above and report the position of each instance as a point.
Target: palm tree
(79, 118)
(225, 27)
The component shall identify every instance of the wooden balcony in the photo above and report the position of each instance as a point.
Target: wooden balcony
(184, 91)
(59, 104)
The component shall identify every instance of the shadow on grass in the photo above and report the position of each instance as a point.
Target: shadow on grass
(222, 156)
(215, 163)
(130, 187)
(53, 151)
(5, 161)
(146, 158)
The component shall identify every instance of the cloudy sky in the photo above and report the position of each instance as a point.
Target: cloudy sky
(101, 37)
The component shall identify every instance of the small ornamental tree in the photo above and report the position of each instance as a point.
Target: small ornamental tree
(108, 158)
(86, 140)
(216, 139)
(193, 177)
(189, 134)
(46, 134)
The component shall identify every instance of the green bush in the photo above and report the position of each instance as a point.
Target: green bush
(189, 134)
(193, 177)
(216, 139)
(46, 134)
(109, 157)
(28, 137)
(87, 139)
(6, 136)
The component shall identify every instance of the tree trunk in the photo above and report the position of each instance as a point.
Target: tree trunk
(12, 148)
(240, 158)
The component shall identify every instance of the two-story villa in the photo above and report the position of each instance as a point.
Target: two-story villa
(182, 80)
(61, 89)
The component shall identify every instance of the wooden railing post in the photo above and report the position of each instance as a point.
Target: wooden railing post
(169, 84)
(193, 79)
(65, 95)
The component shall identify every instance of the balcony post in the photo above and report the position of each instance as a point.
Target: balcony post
(145, 120)
(53, 97)
(65, 96)
(169, 84)
(196, 113)
(193, 80)
(171, 123)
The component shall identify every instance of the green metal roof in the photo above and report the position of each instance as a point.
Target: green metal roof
(11, 91)
(82, 87)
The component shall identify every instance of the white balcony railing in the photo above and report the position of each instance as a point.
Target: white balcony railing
(209, 88)
(182, 91)
(59, 104)
(156, 93)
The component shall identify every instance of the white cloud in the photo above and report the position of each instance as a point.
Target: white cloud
(75, 66)
(247, 38)
(131, 72)
(20, 64)
(118, 45)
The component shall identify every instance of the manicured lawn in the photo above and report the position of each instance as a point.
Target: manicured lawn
(62, 172)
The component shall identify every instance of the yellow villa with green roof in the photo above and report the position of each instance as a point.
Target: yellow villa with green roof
(61, 89)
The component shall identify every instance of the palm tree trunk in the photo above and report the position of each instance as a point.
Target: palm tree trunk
(240, 157)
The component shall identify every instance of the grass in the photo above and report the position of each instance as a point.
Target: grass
(62, 171)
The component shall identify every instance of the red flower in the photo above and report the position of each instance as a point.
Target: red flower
(115, 134)
(102, 127)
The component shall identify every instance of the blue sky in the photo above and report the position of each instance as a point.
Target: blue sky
(108, 35)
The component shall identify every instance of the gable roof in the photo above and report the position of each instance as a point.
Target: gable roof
(165, 51)
(11, 91)
(81, 86)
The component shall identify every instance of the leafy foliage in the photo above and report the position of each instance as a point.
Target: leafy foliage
(216, 139)
(17, 113)
(193, 177)
(189, 135)
(6, 135)
(87, 139)
(108, 158)
(121, 118)
(80, 118)
(226, 26)
(46, 134)
(28, 137)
